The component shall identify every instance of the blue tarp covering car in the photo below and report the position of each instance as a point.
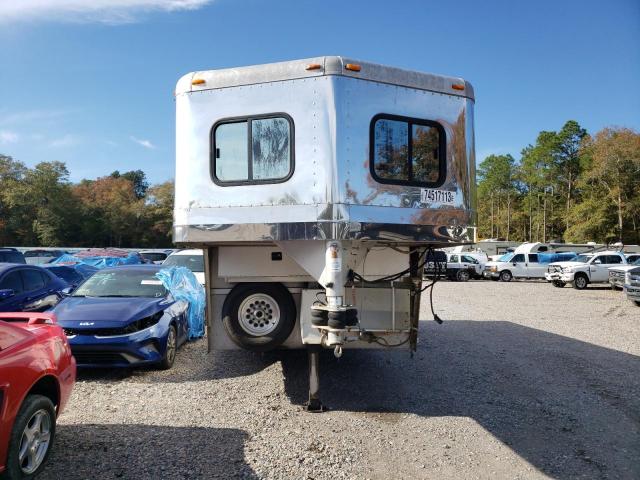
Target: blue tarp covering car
(556, 257)
(132, 315)
(183, 285)
(99, 261)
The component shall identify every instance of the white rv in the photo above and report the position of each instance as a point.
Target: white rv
(315, 188)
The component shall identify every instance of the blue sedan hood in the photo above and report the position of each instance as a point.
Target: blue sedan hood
(92, 312)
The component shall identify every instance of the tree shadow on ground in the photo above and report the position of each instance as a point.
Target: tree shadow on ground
(147, 452)
(568, 407)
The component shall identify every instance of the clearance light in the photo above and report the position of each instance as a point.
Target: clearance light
(457, 86)
(314, 66)
(198, 81)
(353, 67)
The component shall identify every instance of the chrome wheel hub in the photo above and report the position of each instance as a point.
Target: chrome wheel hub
(35, 441)
(259, 314)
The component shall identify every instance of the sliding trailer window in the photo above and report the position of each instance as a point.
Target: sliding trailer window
(407, 151)
(252, 150)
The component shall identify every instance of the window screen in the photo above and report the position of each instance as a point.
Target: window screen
(533, 257)
(253, 150)
(407, 151)
(518, 258)
(613, 259)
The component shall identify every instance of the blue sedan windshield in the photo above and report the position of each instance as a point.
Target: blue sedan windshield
(122, 283)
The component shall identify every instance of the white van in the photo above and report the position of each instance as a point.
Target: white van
(529, 260)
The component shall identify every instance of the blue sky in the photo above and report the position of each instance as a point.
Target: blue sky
(91, 83)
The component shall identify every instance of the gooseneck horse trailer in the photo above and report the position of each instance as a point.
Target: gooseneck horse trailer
(316, 188)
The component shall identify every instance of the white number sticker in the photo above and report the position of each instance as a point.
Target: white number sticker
(431, 195)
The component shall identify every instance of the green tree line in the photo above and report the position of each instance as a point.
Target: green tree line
(40, 206)
(569, 185)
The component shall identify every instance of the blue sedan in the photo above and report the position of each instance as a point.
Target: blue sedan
(123, 317)
(28, 288)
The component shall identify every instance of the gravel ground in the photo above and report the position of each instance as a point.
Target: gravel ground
(523, 380)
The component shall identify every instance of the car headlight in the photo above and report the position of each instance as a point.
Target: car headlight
(493, 269)
(143, 323)
(567, 270)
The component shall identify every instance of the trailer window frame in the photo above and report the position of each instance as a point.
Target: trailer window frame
(410, 121)
(249, 119)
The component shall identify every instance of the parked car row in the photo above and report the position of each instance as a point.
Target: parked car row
(537, 260)
(122, 316)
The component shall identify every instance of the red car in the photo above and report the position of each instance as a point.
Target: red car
(37, 374)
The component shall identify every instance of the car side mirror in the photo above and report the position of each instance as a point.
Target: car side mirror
(597, 262)
(514, 264)
(6, 293)
(66, 291)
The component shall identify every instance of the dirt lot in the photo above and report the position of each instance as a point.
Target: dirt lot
(523, 380)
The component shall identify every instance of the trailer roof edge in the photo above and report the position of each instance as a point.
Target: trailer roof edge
(323, 66)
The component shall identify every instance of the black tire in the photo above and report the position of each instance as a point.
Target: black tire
(32, 405)
(506, 276)
(637, 302)
(259, 315)
(170, 351)
(463, 275)
(580, 281)
(558, 283)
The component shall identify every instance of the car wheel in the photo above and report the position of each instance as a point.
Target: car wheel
(170, 350)
(637, 303)
(558, 283)
(259, 316)
(463, 275)
(580, 281)
(506, 276)
(31, 438)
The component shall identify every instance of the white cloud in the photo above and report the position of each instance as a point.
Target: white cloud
(64, 141)
(7, 137)
(103, 11)
(142, 142)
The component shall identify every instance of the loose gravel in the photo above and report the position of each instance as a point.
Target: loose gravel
(523, 380)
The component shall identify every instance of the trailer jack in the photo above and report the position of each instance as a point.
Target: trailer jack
(314, 404)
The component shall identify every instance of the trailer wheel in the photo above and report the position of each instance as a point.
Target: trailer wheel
(259, 316)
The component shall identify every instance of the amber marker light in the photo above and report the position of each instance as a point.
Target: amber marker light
(353, 67)
(198, 81)
(457, 86)
(314, 66)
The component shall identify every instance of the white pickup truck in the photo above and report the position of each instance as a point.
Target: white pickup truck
(617, 274)
(632, 285)
(584, 269)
